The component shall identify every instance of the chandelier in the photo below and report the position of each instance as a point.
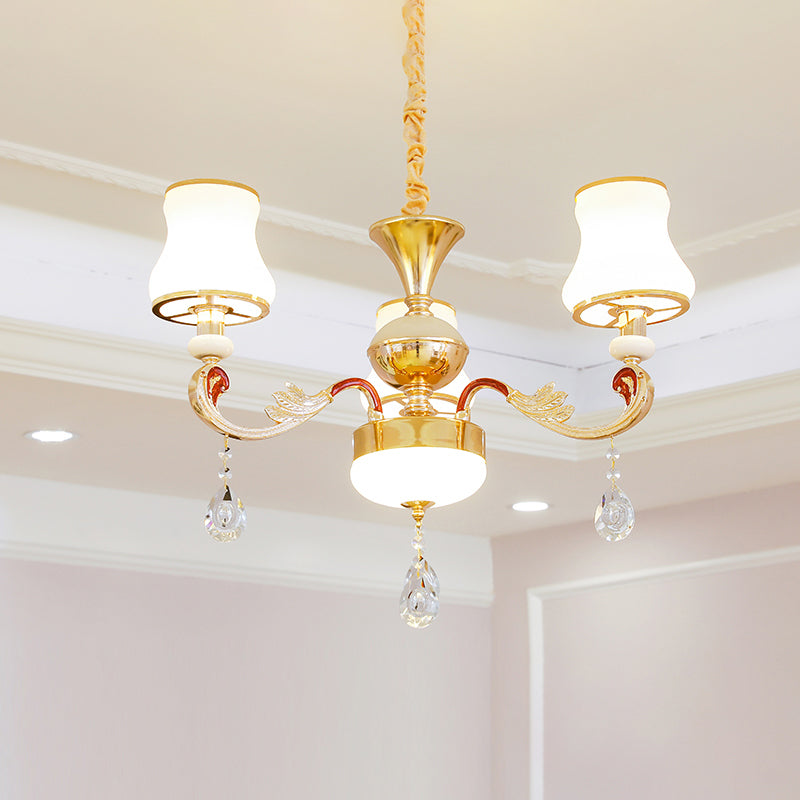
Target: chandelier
(419, 447)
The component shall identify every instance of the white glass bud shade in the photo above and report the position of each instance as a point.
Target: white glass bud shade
(211, 257)
(626, 259)
(440, 475)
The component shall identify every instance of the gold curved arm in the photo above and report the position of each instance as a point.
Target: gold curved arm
(547, 405)
(293, 406)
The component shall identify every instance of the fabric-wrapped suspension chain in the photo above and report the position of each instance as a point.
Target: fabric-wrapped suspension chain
(417, 192)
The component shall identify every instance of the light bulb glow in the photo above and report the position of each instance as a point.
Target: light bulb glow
(439, 475)
(530, 505)
(50, 437)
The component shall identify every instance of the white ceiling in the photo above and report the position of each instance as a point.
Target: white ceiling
(105, 104)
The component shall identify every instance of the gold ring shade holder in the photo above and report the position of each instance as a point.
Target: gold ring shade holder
(185, 307)
(654, 305)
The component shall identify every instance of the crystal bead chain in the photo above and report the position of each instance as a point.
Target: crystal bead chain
(225, 454)
(612, 454)
(418, 544)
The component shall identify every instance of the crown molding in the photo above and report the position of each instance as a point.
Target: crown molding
(81, 168)
(718, 411)
(116, 363)
(689, 569)
(743, 233)
(45, 521)
(549, 273)
(530, 269)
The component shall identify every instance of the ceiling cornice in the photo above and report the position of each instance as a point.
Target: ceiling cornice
(111, 362)
(531, 269)
(279, 548)
(740, 234)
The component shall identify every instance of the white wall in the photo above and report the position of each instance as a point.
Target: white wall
(683, 687)
(668, 661)
(140, 659)
(127, 685)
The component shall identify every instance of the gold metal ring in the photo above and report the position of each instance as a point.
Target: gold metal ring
(217, 181)
(616, 305)
(401, 300)
(620, 180)
(210, 297)
(389, 434)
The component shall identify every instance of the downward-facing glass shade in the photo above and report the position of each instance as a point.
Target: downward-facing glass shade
(626, 260)
(211, 256)
(418, 459)
(438, 475)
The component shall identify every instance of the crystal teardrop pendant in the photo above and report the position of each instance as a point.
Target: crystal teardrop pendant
(225, 518)
(419, 601)
(614, 517)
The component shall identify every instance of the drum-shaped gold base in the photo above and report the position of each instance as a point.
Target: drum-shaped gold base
(407, 460)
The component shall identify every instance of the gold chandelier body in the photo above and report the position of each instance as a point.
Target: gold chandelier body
(426, 455)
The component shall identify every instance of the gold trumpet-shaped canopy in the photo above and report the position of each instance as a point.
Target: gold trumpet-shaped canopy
(417, 246)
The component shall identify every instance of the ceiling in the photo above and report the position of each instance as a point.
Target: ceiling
(106, 104)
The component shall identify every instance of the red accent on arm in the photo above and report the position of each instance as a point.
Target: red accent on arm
(625, 383)
(465, 400)
(364, 385)
(217, 382)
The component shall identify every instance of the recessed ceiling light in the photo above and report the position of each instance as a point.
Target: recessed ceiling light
(50, 437)
(530, 505)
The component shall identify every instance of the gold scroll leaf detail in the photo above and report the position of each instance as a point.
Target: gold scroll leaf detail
(295, 405)
(545, 405)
